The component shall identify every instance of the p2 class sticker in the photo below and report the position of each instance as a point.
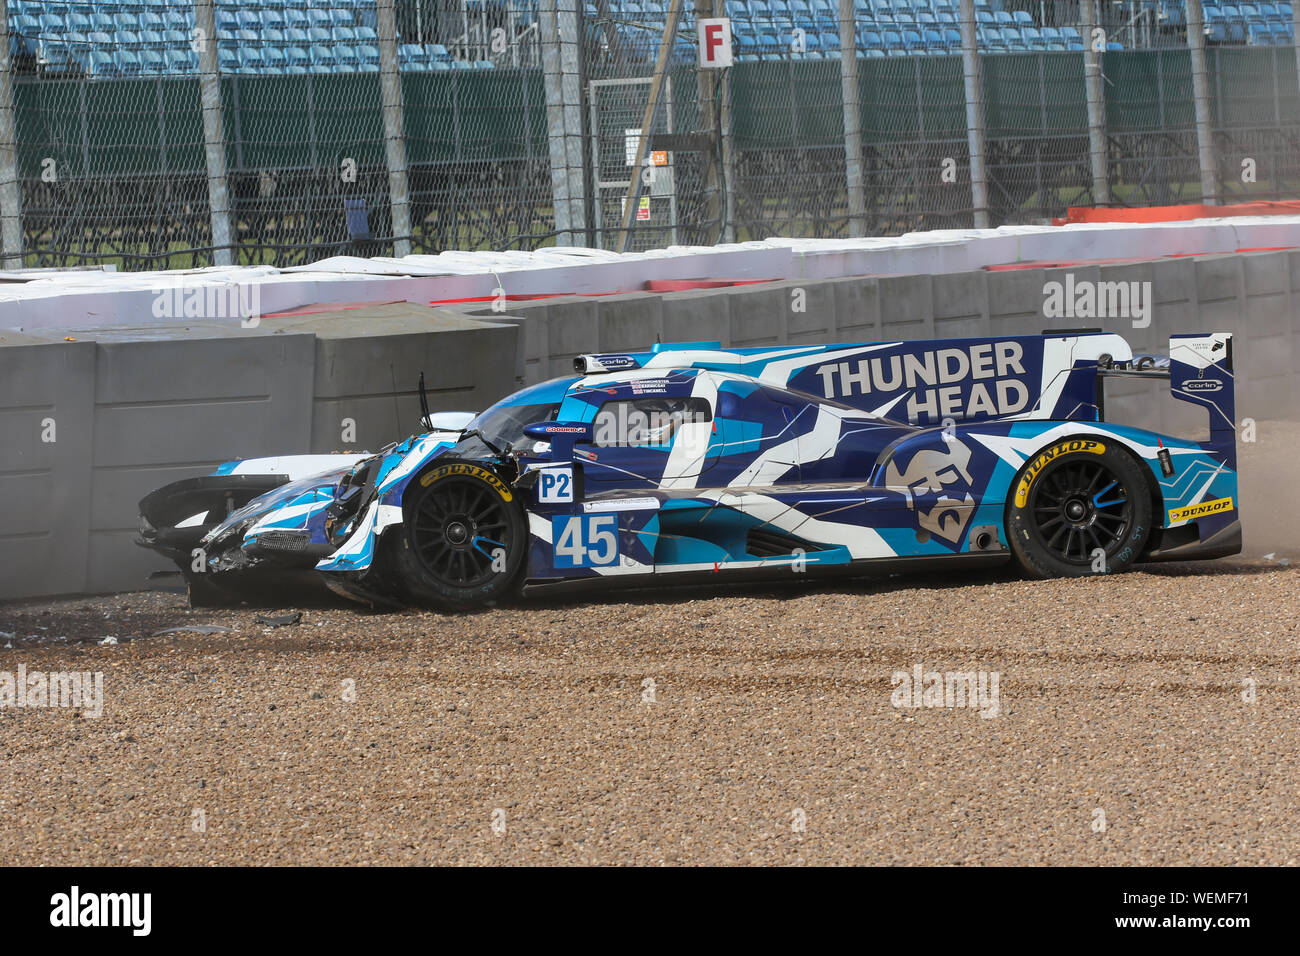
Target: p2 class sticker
(555, 485)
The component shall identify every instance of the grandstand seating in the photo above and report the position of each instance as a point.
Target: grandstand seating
(115, 38)
(275, 37)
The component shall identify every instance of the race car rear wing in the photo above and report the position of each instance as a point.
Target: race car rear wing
(1199, 369)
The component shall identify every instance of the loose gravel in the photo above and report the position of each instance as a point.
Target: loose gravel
(1146, 718)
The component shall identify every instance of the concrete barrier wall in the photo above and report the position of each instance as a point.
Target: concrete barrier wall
(135, 410)
(130, 416)
(1255, 295)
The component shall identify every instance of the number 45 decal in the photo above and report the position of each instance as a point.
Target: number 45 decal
(585, 541)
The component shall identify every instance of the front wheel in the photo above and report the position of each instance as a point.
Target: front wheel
(463, 539)
(1079, 507)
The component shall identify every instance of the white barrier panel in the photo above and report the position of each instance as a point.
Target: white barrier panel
(94, 299)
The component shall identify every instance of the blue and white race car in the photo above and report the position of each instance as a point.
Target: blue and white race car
(693, 460)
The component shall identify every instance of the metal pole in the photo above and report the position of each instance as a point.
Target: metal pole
(708, 89)
(11, 213)
(974, 114)
(557, 22)
(1201, 94)
(647, 123)
(729, 181)
(1096, 106)
(214, 134)
(1295, 36)
(390, 84)
(850, 94)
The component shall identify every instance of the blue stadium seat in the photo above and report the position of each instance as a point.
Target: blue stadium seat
(295, 18)
(272, 37)
(149, 21)
(227, 60)
(125, 39)
(341, 18)
(181, 61)
(323, 59)
(176, 38)
(346, 57)
(102, 21)
(100, 63)
(1022, 19)
(318, 18)
(273, 60)
(344, 35)
(299, 59)
(178, 20)
(367, 35)
(151, 62)
(273, 19)
(151, 39)
(127, 62)
(320, 35)
(296, 36)
(250, 60)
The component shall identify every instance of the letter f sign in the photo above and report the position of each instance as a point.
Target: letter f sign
(715, 42)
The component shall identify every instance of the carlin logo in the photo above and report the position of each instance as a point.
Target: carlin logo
(1205, 508)
(473, 471)
(1051, 454)
(1202, 385)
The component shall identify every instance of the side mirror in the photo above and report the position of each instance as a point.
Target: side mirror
(561, 435)
(560, 432)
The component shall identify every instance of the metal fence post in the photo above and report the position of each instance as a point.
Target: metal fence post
(557, 22)
(390, 84)
(970, 61)
(1295, 35)
(214, 134)
(1201, 95)
(850, 94)
(11, 222)
(1096, 105)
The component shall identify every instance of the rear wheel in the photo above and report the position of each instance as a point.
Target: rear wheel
(1079, 507)
(463, 539)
